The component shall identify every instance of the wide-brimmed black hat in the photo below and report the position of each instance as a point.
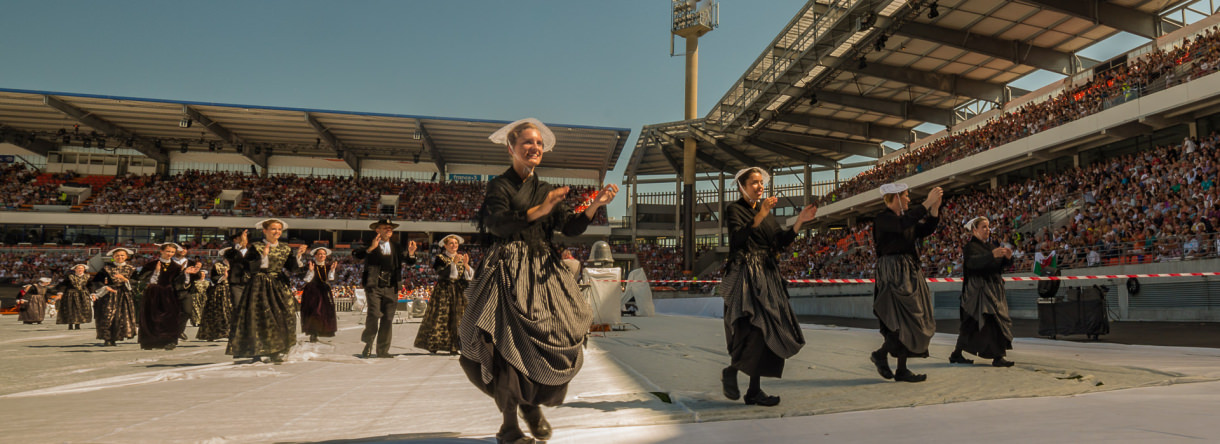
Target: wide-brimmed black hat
(380, 222)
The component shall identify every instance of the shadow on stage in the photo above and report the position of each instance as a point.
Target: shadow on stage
(414, 438)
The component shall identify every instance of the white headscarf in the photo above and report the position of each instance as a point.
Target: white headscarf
(972, 222)
(501, 135)
(766, 178)
(893, 188)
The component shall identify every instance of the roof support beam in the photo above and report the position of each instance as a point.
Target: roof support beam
(1014, 51)
(726, 148)
(862, 129)
(432, 149)
(224, 134)
(26, 140)
(950, 83)
(1100, 11)
(700, 155)
(905, 110)
(790, 152)
(673, 163)
(348, 156)
(827, 143)
(109, 129)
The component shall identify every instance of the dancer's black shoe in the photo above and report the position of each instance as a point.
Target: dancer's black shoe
(905, 375)
(728, 382)
(957, 358)
(762, 399)
(883, 366)
(1001, 362)
(513, 436)
(538, 425)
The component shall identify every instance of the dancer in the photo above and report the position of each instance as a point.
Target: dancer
(986, 329)
(439, 328)
(239, 269)
(265, 319)
(161, 311)
(760, 329)
(217, 306)
(526, 320)
(383, 261)
(317, 303)
(114, 309)
(196, 294)
(33, 301)
(901, 300)
(75, 307)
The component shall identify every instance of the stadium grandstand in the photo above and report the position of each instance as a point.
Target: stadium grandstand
(80, 174)
(1108, 170)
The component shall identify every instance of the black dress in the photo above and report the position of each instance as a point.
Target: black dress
(265, 321)
(986, 328)
(439, 328)
(901, 299)
(760, 329)
(526, 319)
(161, 305)
(33, 304)
(217, 307)
(75, 307)
(114, 312)
(317, 304)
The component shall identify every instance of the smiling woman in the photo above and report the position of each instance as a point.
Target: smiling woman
(526, 320)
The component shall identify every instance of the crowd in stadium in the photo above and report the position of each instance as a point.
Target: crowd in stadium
(198, 193)
(1161, 68)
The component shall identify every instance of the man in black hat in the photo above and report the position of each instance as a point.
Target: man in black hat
(382, 274)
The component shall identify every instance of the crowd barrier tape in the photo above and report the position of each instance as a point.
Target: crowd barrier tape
(1007, 279)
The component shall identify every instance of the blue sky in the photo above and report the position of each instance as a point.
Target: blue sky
(601, 63)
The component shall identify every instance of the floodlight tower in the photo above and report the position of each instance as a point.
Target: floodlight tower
(691, 19)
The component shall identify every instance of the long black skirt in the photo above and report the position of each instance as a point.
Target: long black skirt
(318, 310)
(214, 317)
(439, 328)
(903, 304)
(265, 322)
(524, 326)
(75, 307)
(160, 317)
(760, 328)
(988, 342)
(115, 315)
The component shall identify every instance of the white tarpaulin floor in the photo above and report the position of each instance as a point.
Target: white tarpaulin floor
(655, 384)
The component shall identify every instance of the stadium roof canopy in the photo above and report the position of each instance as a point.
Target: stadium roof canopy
(844, 76)
(34, 120)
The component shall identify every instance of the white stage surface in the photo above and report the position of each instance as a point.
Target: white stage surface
(656, 384)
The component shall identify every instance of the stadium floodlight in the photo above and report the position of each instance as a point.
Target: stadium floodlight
(157, 144)
(185, 122)
(867, 21)
(418, 134)
(101, 143)
(934, 10)
(211, 146)
(185, 146)
(240, 147)
(86, 143)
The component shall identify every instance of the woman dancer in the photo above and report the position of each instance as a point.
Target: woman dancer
(901, 298)
(197, 293)
(526, 320)
(986, 328)
(161, 311)
(761, 331)
(439, 328)
(114, 309)
(217, 306)
(75, 307)
(33, 301)
(265, 320)
(317, 303)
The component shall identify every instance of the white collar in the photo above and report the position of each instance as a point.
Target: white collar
(165, 261)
